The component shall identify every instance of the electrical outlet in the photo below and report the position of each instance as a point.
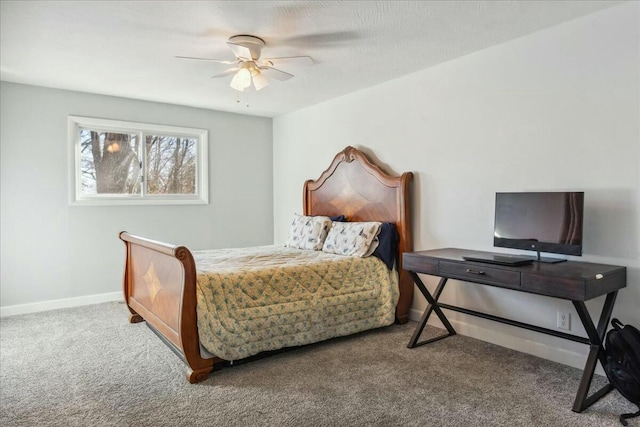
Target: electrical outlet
(564, 321)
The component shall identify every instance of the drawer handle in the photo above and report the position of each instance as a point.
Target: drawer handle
(478, 272)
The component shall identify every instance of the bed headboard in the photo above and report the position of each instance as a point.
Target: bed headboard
(355, 187)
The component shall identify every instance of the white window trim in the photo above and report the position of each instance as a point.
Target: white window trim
(76, 198)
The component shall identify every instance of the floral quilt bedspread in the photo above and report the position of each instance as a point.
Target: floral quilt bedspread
(263, 298)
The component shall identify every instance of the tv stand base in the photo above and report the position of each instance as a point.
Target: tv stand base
(545, 260)
(548, 260)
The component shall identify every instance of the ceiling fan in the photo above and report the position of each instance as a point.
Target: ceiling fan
(249, 68)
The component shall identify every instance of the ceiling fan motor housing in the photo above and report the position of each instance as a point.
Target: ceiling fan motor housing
(253, 43)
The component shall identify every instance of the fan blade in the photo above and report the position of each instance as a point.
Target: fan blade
(221, 61)
(226, 73)
(260, 81)
(240, 51)
(290, 60)
(275, 73)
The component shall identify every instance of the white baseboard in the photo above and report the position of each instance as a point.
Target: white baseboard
(34, 307)
(524, 345)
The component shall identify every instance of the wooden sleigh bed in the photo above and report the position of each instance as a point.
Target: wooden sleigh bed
(160, 280)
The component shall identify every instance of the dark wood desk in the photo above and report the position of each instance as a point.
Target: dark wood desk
(573, 281)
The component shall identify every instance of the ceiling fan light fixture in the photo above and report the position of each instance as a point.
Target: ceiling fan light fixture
(241, 80)
(259, 80)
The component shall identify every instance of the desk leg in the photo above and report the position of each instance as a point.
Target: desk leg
(596, 339)
(433, 306)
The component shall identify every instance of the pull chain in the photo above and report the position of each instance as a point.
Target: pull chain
(238, 95)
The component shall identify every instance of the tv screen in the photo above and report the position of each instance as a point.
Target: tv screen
(540, 221)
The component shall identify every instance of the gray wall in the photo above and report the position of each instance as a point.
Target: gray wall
(50, 250)
(555, 110)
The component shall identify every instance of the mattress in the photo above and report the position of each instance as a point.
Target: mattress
(251, 300)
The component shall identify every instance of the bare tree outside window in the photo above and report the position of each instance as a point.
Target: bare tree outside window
(171, 165)
(109, 162)
(120, 162)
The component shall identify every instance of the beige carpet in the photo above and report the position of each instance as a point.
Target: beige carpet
(88, 367)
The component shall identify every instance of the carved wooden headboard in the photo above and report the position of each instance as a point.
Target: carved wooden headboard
(355, 187)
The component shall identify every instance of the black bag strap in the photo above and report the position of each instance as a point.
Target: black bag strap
(624, 417)
(617, 325)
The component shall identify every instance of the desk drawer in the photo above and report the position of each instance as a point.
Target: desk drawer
(481, 274)
(419, 264)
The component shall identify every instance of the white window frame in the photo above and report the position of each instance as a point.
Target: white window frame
(77, 198)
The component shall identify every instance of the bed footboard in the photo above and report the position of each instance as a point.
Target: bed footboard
(160, 288)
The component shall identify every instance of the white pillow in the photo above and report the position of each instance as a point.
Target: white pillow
(308, 232)
(357, 239)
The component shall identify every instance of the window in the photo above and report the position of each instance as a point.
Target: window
(116, 162)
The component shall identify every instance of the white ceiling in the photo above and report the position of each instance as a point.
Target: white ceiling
(128, 48)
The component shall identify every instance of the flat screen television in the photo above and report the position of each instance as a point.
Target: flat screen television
(540, 221)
